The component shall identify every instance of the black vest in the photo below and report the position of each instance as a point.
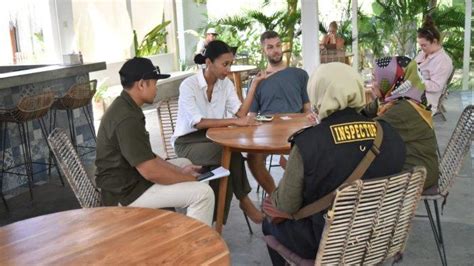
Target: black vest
(332, 149)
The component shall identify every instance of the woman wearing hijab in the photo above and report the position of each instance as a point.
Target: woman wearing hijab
(324, 155)
(402, 103)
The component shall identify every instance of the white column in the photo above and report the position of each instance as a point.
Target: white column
(310, 35)
(172, 37)
(6, 54)
(180, 28)
(467, 45)
(63, 22)
(355, 37)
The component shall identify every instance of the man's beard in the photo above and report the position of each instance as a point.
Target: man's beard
(275, 61)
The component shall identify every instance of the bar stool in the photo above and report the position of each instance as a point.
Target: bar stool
(29, 108)
(78, 96)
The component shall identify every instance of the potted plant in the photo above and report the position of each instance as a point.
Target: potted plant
(98, 101)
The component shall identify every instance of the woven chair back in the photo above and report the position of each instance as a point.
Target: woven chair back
(78, 95)
(328, 56)
(71, 166)
(444, 94)
(31, 107)
(369, 220)
(457, 148)
(167, 116)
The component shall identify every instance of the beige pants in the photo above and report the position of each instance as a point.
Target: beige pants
(197, 197)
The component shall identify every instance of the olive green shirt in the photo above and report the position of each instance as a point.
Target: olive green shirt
(419, 137)
(288, 196)
(122, 144)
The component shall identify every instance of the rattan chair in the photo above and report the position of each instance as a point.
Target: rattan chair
(449, 166)
(367, 223)
(78, 96)
(444, 95)
(167, 115)
(71, 166)
(328, 56)
(28, 109)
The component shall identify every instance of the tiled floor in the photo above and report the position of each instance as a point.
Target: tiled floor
(246, 249)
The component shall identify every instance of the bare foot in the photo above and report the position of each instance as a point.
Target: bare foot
(251, 211)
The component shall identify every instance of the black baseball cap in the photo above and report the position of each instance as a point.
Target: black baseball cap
(139, 68)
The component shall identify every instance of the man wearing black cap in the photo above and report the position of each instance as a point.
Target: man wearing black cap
(128, 172)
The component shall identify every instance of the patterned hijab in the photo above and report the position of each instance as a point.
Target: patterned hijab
(398, 77)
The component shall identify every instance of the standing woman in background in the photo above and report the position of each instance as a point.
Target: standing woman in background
(434, 64)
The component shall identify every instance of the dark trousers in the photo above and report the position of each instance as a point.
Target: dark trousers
(301, 237)
(201, 151)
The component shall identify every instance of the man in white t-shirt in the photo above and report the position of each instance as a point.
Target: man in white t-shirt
(211, 35)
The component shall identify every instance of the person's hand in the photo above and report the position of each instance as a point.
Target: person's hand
(192, 170)
(261, 75)
(246, 121)
(332, 38)
(273, 212)
(312, 118)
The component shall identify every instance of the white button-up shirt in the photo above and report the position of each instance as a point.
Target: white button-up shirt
(193, 104)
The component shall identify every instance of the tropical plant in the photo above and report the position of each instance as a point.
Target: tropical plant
(450, 22)
(101, 90)
(244, 31)
(396, 22)
(391, 29)
(154, 41)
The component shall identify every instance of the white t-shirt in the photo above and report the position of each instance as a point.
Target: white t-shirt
(200, 46)
(193, 104)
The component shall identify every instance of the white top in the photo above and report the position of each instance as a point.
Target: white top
(193, 104)
(200, 46)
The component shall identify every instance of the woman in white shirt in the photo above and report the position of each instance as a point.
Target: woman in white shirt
(207, 100)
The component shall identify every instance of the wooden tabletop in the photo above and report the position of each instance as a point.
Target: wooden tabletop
(269, 137)
(113, 235)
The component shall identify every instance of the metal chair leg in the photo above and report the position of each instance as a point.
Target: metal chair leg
(3, 127)
(437, 233)
(440, 232)
(5, 202)
(442, 116)
(26, 156)
(90, 121)
(248, 223)
(51, 156)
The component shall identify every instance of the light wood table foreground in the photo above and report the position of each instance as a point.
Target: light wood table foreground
(268, 138)
(113, 235)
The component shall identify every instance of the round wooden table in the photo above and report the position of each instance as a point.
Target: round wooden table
(112, 235)
(236, 71)
(269, 137)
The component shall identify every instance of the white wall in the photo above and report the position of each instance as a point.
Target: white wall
(190, 16)
(103, 30)
(146, 14)
(6, 57)
(110, 76)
